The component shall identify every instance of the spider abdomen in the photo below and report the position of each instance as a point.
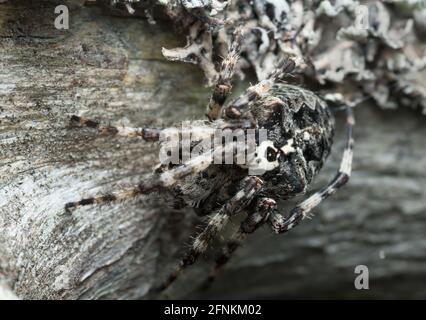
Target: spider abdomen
(300, 127)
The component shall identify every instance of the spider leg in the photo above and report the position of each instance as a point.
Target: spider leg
(241, 106)
(236, 204)
(285, 66)
(161, 181)
(106, 198)
(147, 134)
(223, 84)
(282, 224)
(155, 134)
(265, 207)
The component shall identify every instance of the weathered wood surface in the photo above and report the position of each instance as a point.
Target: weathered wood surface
(110, 67)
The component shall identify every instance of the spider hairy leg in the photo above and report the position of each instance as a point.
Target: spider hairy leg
(115, 196)
(164, 180)
(147, 134)
(282, 224)
(285, 66)
(264, 208)
(251, 185)
(240, 107)
(223, 84)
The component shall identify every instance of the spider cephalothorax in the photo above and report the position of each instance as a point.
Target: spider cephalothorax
(298, 132)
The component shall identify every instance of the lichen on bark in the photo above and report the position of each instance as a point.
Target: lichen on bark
(358, 48)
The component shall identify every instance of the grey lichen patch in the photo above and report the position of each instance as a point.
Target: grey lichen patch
(371, 45)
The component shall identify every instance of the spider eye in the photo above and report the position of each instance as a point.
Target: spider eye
(271, 154)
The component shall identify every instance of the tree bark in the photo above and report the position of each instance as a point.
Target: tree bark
(110, 68)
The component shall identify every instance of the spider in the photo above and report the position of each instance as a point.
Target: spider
(300, 130)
